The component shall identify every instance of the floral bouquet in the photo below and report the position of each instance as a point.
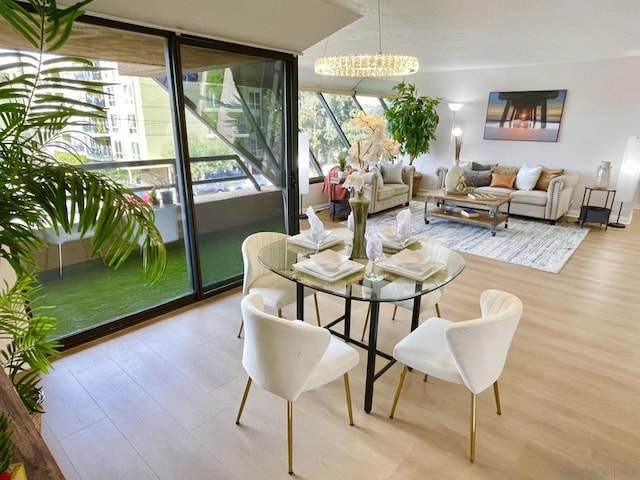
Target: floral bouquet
(368, 151)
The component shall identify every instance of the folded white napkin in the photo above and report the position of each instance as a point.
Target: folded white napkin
(374, 244)
(316, 226)
(403, 225)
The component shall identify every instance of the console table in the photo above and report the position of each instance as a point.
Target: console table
(593, 213)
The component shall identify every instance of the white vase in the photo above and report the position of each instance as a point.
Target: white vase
(453, 177)
(603, 175)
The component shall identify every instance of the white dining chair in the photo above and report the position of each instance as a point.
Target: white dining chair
(276, 291)
(471, 352)
(288, 358)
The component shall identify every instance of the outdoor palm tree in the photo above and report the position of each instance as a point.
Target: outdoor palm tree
(40, 98)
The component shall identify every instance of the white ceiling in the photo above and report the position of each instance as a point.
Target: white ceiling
(444, 34)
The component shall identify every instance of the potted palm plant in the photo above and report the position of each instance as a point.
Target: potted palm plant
(38, 101)
(412, 121)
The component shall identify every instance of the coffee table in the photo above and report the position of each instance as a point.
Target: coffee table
(448, 205)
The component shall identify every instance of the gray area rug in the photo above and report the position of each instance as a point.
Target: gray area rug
(530, 243)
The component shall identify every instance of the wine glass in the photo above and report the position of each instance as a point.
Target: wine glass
(374, 253)
(317, 236)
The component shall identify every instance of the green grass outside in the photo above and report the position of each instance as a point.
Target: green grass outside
(91, 294)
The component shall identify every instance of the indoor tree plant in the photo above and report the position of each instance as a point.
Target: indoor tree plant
(39, 99)
(412, 121)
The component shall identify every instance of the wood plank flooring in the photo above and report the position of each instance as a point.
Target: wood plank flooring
(159, 401)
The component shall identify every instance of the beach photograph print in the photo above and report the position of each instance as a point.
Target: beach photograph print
(532, 116)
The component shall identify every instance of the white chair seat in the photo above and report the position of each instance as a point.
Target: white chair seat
(337, 359)
(426, 350)
(276, 291)
(427, 301)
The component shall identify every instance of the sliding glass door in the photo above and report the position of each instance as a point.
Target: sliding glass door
(233, 110)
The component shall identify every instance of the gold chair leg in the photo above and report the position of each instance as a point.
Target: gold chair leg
(472, 454)
(400, 383)
(395, 309)
(290, 434)
(366, 322)
(315, 300)
(280, 312)
(496, 393)
(438, 310)
(347, 390)
(426, 377)
(244, 400)
(241, 327)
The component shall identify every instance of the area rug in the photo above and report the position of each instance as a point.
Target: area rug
(530, 243)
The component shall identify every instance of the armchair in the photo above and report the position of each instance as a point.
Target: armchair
(390, 188)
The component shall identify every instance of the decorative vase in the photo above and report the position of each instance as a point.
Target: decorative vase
(342, 174)
(455, 175)
(359, 207)
(603, 175)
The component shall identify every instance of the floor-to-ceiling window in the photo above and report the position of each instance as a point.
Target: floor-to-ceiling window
(204, 140)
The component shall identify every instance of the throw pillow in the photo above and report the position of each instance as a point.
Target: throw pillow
(373, 172)
(480, 167)
(500, 170)
(527, 177)
(503, 181)
(391, 172)
(476, 178)
(546, 176)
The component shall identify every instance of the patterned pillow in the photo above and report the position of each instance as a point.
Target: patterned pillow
(501, 170)
(504, 181)
(477, 178)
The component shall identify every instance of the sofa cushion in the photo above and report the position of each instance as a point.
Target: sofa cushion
(386, 191)
(504, 181)
(530, 197)
(373, 172)
(391, 172)
(528, 176)
(546, 176)
(495, 190)
(477, 178)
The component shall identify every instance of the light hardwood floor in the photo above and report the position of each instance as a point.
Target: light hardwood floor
(159, 401)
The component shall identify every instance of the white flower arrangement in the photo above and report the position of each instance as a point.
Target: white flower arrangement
(367, 152)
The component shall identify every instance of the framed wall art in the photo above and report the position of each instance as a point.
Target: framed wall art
(531, 116)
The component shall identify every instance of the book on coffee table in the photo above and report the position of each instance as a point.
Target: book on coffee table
(469, 213)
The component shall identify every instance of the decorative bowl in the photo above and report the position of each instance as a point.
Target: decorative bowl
(410, 258)
(329, 260)
(389, 233)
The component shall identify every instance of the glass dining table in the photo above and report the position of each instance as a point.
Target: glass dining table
(288, 258)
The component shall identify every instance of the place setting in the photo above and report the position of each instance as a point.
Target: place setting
(409, 263)
(316, 238)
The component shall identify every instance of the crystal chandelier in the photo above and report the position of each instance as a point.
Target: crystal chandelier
(380, 65)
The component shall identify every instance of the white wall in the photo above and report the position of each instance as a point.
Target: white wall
(602, 109)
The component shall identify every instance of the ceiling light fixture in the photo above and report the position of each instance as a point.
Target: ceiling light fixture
(354, 65)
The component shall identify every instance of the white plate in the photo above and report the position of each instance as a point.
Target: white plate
(311, 268)
(397, 244)
(303, 240)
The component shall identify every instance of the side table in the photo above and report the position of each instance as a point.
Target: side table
(593, 213)
(338, 208)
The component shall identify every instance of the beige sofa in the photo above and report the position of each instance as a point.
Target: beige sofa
(547, 205)
(383, 194)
